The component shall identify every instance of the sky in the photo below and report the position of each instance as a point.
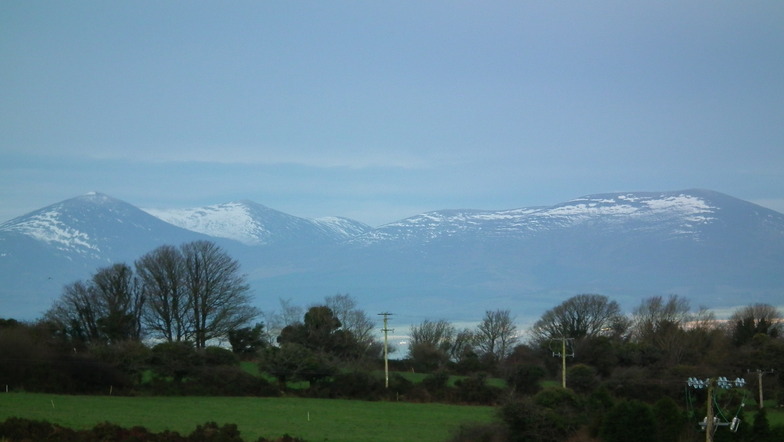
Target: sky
(380, 110)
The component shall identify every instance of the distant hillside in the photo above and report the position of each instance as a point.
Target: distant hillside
(714, 249)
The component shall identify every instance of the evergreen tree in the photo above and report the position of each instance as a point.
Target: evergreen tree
(630, 421)
(760, 429)
(671, 420)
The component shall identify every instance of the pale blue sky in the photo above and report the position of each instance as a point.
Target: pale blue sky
(381, 110)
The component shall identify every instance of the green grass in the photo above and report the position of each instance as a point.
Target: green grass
(418, 377)
(775, 416)
(310, 419)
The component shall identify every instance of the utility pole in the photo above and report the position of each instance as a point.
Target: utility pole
(709, 417)
(386, 330)
(711, 422)
(759, 383)
(563, 356)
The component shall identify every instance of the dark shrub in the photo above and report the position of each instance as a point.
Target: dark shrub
(219, 356)
(582, 378)
(398, 386)
(525, 378)
(226, 381)
(355, 385)
(15, 428)
(211, 432)
(630, 421)
(129, 357)
(175, 360)
(474, 389)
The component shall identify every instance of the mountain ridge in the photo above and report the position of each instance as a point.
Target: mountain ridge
(700, 243)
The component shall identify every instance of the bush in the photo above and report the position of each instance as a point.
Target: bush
(175, 360)
(475, 390)
(582, 378)
(220, 356)
(630, 421)
(211, 432)
(219, 380)
(525, 379)
(16, 429)
(353, 385)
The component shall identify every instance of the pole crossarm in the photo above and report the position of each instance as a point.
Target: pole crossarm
(710, 423)
(563, 354)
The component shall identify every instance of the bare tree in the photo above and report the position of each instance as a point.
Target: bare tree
(106, 309)
(439, 334)
(670, 327)
(580, 316)
(352, 318)
(121, 300)
(431, 344)
(217, 293)
(497, 334)
(289, 314)
(166, 313)
(75, 313)
(463, 345)
(655, 316)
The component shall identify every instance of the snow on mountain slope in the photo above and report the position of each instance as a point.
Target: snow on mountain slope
(233, 220)
(715, 249)
(48, 226)
(96, 226)
(681, 213)
(254, 224)
(341, 228)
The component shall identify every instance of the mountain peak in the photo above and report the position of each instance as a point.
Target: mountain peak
(717, 248)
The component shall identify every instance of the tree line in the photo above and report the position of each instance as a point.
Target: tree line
(192, 293)
(153, 328)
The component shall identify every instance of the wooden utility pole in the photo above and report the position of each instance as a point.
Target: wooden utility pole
(711, 423)
(709, 429)
(759, 384)
(563, 356)
(563, 362)
(386, 331)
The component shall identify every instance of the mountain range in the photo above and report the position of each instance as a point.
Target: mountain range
(716, 250)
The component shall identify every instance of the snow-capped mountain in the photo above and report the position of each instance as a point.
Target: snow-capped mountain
(674, 213)
(254, 224)
(714, 249)
(66, 241)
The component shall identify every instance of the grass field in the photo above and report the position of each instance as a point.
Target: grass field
(310, 419)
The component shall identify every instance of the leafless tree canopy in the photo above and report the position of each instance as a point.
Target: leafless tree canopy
(217, 293)
(438, 334)
(354, 320)
(656, 315)
(192, 293)
(580, 316)
(105, 309)
(166, 314)
(497, 334)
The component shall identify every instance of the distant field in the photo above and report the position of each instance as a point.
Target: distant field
(310, 419)
(253, 368)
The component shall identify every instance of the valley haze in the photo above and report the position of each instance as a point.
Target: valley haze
(716, 250)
